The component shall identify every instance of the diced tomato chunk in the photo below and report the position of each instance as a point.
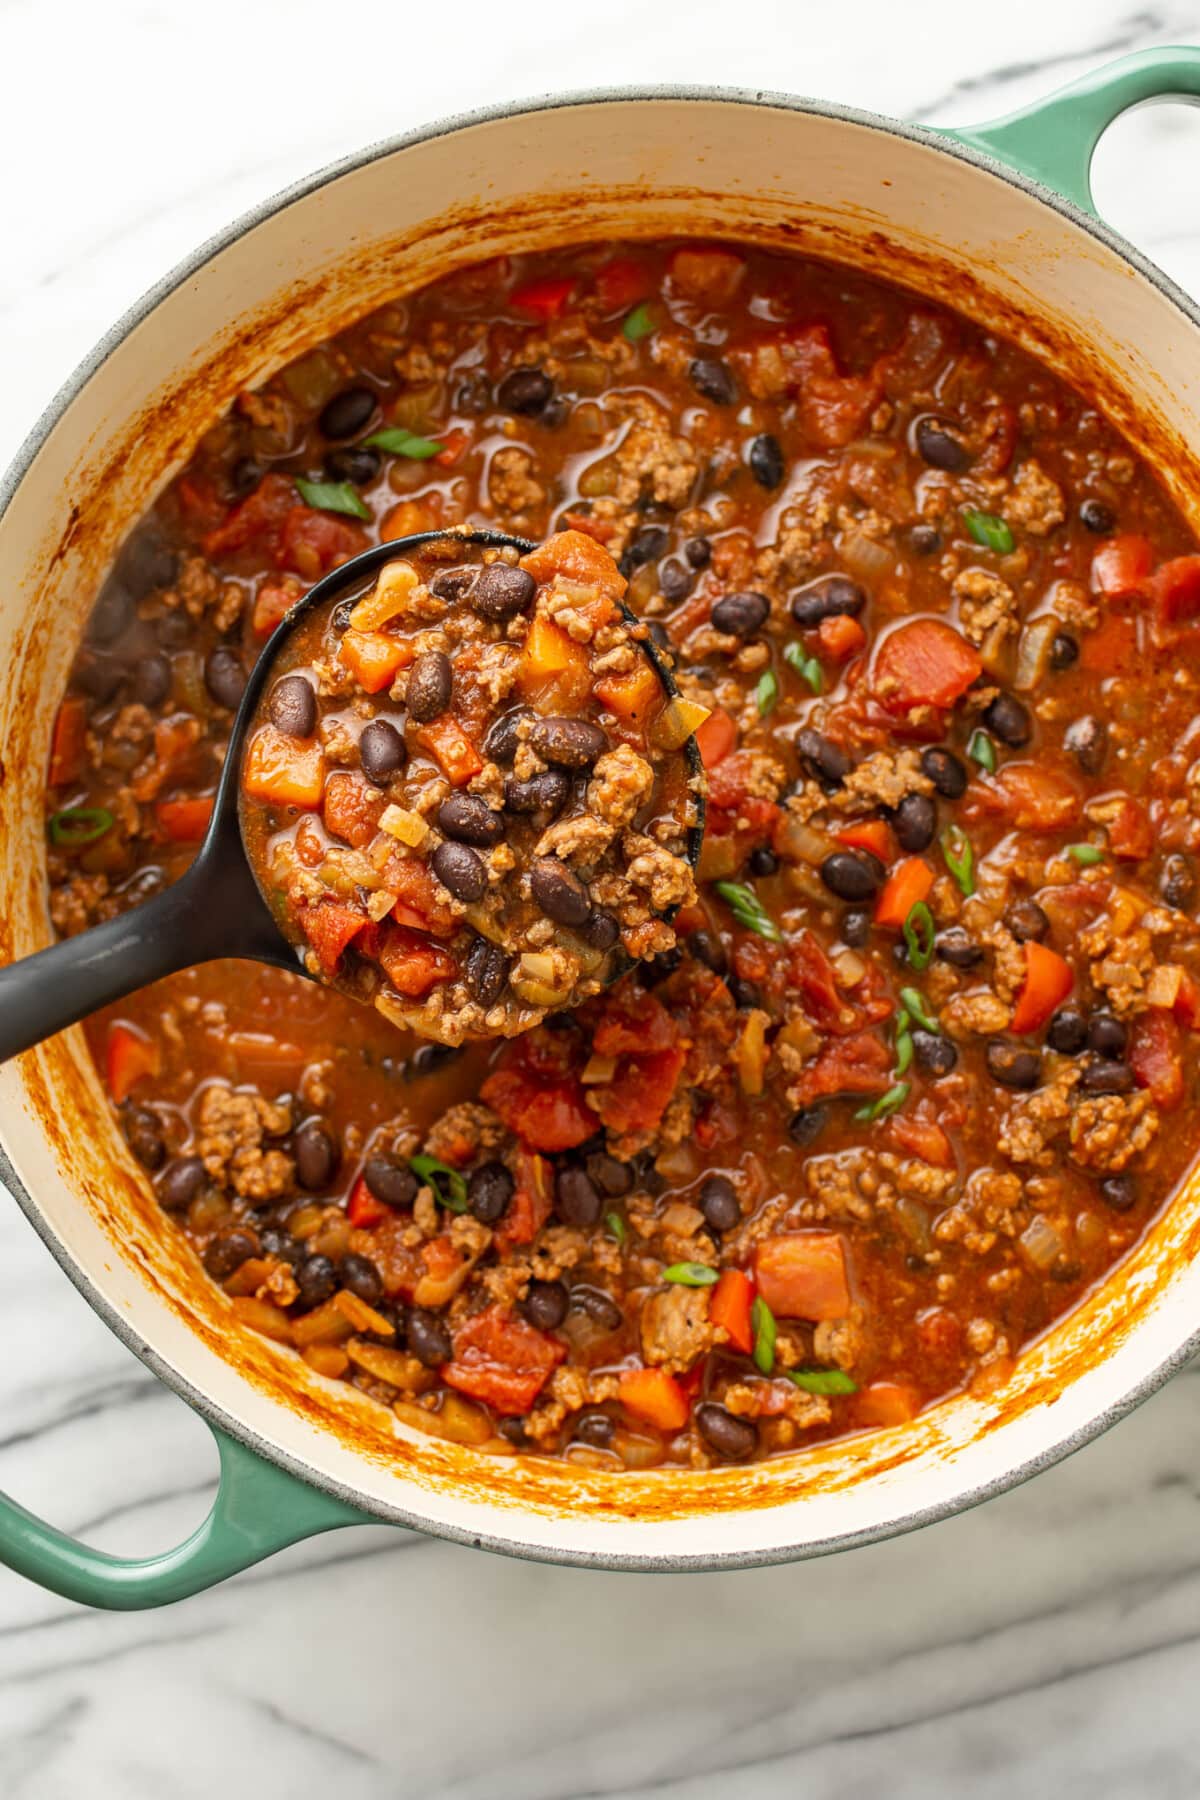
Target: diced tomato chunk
(454, 445)
(329, 926)
(633, 1024)
(923, 663)
(707, 273)
(544, 298)
(502, 1360)
(923, 1138)
(656, 1397)
(1121, 567)
(640, 1092)
(730, 1307)
(859, 1064)
(1033, 798)
(1175, 588)
(129, 1055)
(312, 542)
(908, 883)
(532, 1201)
(1130, 833)
(1156, 1058)
(412, 964)
(802, 1275)
(1048, 981)
(256, 521)
(885, 1403)
(546, 1114)
(362, 1209)
(185, 821)
(351, 807)
(620, 284)
(1187, 1002)
(273, 601)
(421, 900)
(833, 406)
(716, 737)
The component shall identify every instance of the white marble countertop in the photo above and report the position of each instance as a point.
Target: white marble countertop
(1046, 1644)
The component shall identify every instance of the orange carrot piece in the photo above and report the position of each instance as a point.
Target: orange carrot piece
(656, 1397)
(453, 750)
(869, 834)
(732, 1299)
(282, 771)
(185, 821)
(907, 884)
(69, 741)
(802, 1275)
(374, 659)
(841, 637)
(716, 737)
(129, 1055)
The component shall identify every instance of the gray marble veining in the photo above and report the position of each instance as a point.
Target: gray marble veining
(1045, 1645)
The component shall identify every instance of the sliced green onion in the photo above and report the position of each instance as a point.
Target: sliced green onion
(982, 750)
(823, 1381)
(639, 323)
(960, 857)
(1086, 855)
(763, 1321)
(748, 909)
(919, 935)
(917, 1009)
(988, 530)
(885, 1105)
(807, 667)
(904, 1051)
(76, 826)
(453, 1196)
(766, 693)
(690, 1274)
(617, 1226)
(333, 496)
(396, 441)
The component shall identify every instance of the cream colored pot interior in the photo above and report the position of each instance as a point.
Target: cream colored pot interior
(826, 185)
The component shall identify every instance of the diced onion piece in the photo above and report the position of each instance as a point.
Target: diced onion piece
(1033, 651)
(452, 1424)
(538, 979)
(799, 1035)
(865, 558)
(676, 723)
(380, 904)
(409, 827)
(1041, 1243)
(914, 1218)
(327, 1359)
(1124, 910)
(387, 1364)
(849, 968)
(750, 1052)
(1163, 987)
(797, 842)
(598, 1070)
(362, 1316)
(387, 599)
(718, 859)
(326, 1324)
(263, 1316)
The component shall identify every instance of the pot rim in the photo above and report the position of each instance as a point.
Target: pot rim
(930, 138)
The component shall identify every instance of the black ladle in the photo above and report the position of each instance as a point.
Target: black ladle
(217, 908)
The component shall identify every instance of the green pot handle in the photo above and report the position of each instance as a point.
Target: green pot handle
(258, 1509)
(1054, 139)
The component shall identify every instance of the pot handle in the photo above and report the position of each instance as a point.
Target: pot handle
(1053, 140)
(258, 1509)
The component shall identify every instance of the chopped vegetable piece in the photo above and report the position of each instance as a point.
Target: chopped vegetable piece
(655, 1396)
(982, 750)
(988, 530)
(1121, 567)
(76, 826)
(904, 1050)
(766, 694)
(449, 1186)
(373, 659)
(960, 857)
(452, 748)
(501, 1360)
(398, 442)
(748, 909)
(823, 1381)
(130, 1056)
(765, 1334)
(362, 1209)
(1048, 981)
(920, 935)
(915, 1006)
(802, 1275)
(640, 322)
(185, 821)
(716, 737)
(1086, 855)
(907, 887)
(807, 667)
(333, 496)
(283, 771)
(690, 1274)
(69, 742)
(730, 1308)
(617, 1227)
(886, 1103)
(923, 663)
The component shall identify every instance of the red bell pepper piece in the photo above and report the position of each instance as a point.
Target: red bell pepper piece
(544, 298)
(1048, 981)
(129, 1055)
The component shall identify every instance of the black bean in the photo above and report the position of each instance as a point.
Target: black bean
(852, 874)
(806, 1126)
(428, 1339)
(501, 741)
(151, 679)
(733, 1438)
(1027, 921)
(427, 1059)
(568, 743)
(146, 564)
(765, 458)
(821, 758)
(546, 1304)
(473, 394)
(646, 1175)
(926, 540)
(933, 1053)
(317, 1156)
(939, 445)
(357, 463)
(1011, 1066)
(1008, 719)
(502, 591)
(646, 545)
(470, 820)
(657, 968)
(714, 379)
(381, 751)
(594, 1428)
(746, 994)
(100, 675)
(526, 391)
(246, 474)
(947, 773)
(430, 686)
(489, 1190)
(719, 1204)
(173, 630)
(707, 948)
(740, 615)
(347, 413)
(1067, 1032)
(763, 861)
(183, 1178)
(316, 1279)
(674, 579)
(1106, 1036)
(698, 551)
(1100, 1076)
(1095, 516)
(609, 1174)
(545, 793)
(454, 584)
(228, 1251)
(461, 870)
(112, 613)
(915, 822)
(832, 597)
(281, 1245)
(955, 947)
(390, 1179)
(362, 1277)
(576, 1197)
(1177, 883)
(144, 1135)
(856, 927)
(600, 929)
(558, 892)
(600, 1307)
(1087, 741)
(1119, 1192)
(225, 676)
(1064, 650)
(486, 970)
(293, 706)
